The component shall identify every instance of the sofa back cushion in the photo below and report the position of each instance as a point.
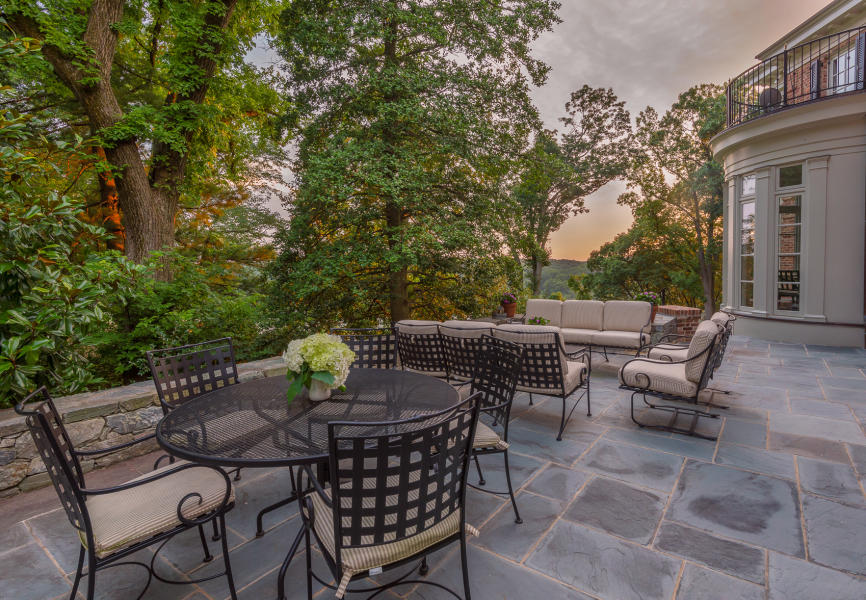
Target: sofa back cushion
(626, 315)
(417, 326)
(548, 309)
(703, 337)
(583, 314)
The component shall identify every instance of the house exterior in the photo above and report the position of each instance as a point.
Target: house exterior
(794, 154)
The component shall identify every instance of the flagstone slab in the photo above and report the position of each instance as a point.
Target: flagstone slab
(603, 565)
(734, 558)
(745, 432)
(833, 480)
(829, 429)
(558, 482)
(641, 466)
(702, 584)
(792, 579)
(753, 508)
(808, 446)
(836, 533)
(618, 508)
(780, 464)
(514, 540)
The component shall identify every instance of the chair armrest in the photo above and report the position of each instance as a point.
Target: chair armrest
(672, 336)
(114, 448)
(578, 354)
(316, 485)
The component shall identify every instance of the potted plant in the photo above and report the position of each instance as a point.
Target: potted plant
(509, 304)
(319, 362)
(537, 321)
(652, 298)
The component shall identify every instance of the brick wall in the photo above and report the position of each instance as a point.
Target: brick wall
(688, 318)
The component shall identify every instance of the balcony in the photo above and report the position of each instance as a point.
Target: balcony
(811, 72)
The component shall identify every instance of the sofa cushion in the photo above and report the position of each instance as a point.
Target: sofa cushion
(548, 309)
(619, 339)
(658, 376)
(578, 336)
(416, 326)
(626, 315)
(583, 314)
(669, 352)
(532, 334)
(703, 337)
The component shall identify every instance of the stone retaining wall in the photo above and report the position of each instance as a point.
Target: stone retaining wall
(95, 420)
(688, 318)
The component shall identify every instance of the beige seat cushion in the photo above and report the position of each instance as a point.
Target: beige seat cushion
(485, 437)
(578, 336)
(574, 377)
(703, 337)
(720, 318)
(470, 329)
(664, 377)
(548, 309)
(583, 314)
(360, 559)
(530, 334)
(626, 315)
(417, 326)
(121, 519)
(619, 339)
(669, 352)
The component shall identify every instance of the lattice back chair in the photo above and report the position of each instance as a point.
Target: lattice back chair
(497, 369)
(420, 348)
(461, 344)
(186, 372)
(398, 493)
(374, 347)
(114, 522)
(549, 369)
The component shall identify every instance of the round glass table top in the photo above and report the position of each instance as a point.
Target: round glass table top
(251, 424)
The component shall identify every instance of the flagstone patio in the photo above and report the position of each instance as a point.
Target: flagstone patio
(774, 509)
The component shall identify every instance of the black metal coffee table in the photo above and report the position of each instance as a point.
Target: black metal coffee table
(251, 424)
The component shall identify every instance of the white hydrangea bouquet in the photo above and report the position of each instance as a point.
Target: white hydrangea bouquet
(319, 362)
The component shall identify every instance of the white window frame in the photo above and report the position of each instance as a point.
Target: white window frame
(843, 71)
(743, 199)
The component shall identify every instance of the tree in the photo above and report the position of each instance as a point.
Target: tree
(675, 171)
(163, 90)
(560, 171)
(409, 116)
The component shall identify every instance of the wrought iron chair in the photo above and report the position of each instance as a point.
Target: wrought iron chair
(420, 348)
(676, 380)
(374, 348)
(461, 345)
(115, 522)
(397, 493)
(497, 368)
(548, 369)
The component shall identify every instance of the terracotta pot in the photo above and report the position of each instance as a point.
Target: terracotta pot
(509, 309)
(653, 313)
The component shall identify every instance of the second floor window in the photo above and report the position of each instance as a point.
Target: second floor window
(843, 72)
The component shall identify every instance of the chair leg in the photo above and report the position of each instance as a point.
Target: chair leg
(588, 404)
(229, 577)
(216, 532)
(561, 422)
(530, 398)
(91, 577)
(424, 568)
(466, 593)
(517, 518)
(207, 555)
(309, 553)
(238, 475)
(78, 572)
(478, 467)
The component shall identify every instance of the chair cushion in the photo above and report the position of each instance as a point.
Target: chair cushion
(574, 377)
(669, 352)
(359, 559)
(417, 326)
(664, 377)
(583, 314)
(619, 339)
(703, 337)
(530, 334)
(475, 328)
(626, 315)
(549, 309)
(485, 437)
(578, 336)
(121, 519)
(720, 318)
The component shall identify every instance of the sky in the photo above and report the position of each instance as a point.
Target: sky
(648, 51)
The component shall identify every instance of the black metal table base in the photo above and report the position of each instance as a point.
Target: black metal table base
(260, 531)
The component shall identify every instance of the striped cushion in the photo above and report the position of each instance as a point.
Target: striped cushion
(619, 339)
(121, 519)
(669, 352)
(417, 326)
(703, 337)
(548, 309)
(359, 559)
(720, 318)
(626, 315)
(575, 376)
(485, 437)
(583, 314)
(578, 336)
(663, 377)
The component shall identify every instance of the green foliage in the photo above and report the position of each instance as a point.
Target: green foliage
(556, 275)
(409, 116)
(580, 286)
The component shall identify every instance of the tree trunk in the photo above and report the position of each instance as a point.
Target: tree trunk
(398, 277)
(536, 266)
(708, 284)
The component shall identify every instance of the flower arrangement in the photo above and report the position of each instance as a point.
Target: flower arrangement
(537, 321)
(646, 296)
(319, 361)
(508, 298)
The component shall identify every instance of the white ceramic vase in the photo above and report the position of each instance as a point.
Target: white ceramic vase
(319, 391)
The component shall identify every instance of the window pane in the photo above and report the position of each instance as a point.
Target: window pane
(788, 297)
(789, 268)
(792, 175)
(789, 239)
(746, 294)
(748, 186)
(747, 268)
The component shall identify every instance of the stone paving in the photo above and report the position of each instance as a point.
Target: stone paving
(775, 509)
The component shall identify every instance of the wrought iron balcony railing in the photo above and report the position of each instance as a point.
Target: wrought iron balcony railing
(813, 71)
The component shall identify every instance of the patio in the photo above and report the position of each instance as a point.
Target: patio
(775, 508)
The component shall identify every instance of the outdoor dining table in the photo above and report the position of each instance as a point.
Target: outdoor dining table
(252, 425)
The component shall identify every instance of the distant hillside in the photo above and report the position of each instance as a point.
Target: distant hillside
(554, 277)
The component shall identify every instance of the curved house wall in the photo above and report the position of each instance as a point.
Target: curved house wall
(805, 282)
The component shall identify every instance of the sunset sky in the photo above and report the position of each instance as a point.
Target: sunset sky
(649, 52)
